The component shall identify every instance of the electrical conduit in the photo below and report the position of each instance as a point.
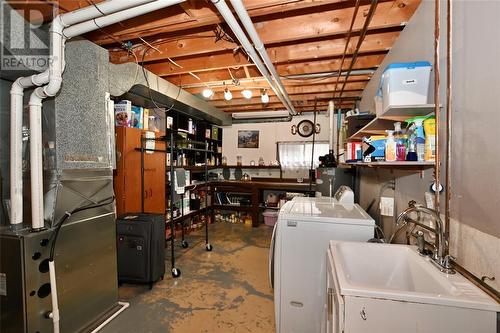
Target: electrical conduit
(259, 46)
(240, 35)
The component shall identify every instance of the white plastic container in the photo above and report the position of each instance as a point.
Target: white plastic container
(405, 84)
(270, 217)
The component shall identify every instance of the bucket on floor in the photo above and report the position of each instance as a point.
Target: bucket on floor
(405, 84)
(270, 217)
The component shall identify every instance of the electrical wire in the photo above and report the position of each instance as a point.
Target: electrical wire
(67, 215)
(149, 87)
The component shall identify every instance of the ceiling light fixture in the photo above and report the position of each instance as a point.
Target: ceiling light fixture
(227, 95)
(264, 97)
(207, 92)
(246, 93)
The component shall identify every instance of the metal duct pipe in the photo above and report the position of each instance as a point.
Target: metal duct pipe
(59, 34)
(259, 46)
(58, 38)
(17, 96)
(240, 35)
(101, 22)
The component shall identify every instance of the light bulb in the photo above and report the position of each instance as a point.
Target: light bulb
(227, 95)
(246, 93)
(264, 97)
(207, 92)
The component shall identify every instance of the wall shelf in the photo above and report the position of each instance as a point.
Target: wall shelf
(403, 165)
(252, 166)
(392, 114)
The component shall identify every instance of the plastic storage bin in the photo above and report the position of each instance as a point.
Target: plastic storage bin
(405, 83)
(270, 217)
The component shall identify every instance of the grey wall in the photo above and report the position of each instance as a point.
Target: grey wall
(474, 228)
(476, 83)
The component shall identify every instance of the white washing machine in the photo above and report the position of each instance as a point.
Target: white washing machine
(297, 266)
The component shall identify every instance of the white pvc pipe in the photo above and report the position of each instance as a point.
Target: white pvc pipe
(84, 27)
(124, 306)
(240, 35)
(97, 10)
(36, 159)
(259, 46)
(331, 111)
(16, 142)
(53, 294)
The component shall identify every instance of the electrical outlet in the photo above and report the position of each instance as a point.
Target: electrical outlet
(387, 206)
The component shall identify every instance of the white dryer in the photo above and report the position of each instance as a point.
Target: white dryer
(297, 265)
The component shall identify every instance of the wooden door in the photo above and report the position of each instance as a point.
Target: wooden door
(154, 180)
(127, 176)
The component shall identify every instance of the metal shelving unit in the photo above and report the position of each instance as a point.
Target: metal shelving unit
(172, 149)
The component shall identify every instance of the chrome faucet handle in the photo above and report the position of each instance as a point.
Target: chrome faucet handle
(447, 260)
(420, 242)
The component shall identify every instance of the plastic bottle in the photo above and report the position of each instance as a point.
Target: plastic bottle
(419, 139)
(390, 147)
(430, 139)
(400, 142)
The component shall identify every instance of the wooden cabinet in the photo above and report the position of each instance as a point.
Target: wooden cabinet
(127, 176)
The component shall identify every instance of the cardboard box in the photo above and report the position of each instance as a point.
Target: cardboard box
(123, 113)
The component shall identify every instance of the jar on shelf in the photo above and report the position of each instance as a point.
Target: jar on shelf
(239, 160)
(224, 160)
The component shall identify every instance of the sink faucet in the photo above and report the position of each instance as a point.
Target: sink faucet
(440, 256)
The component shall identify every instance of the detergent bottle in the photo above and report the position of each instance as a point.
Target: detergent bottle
(430, 139)
(390, 147)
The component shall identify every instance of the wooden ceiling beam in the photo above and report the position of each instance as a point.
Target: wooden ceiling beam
(236, 101)
(215, 77)
(261, 83)
(321, 25)
(229, 60)
(202, 45)
(345, 104)
(163, 23)
(311, 89)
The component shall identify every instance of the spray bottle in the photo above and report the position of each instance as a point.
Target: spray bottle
(420, 139)
(400, 138)
(416, 140)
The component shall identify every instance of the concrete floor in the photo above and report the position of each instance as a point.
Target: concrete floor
(223, 291)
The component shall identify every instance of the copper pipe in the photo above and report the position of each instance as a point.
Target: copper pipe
(449, 78)
(437, 11)
(356, 8)
(362, 35)
(493, 293)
